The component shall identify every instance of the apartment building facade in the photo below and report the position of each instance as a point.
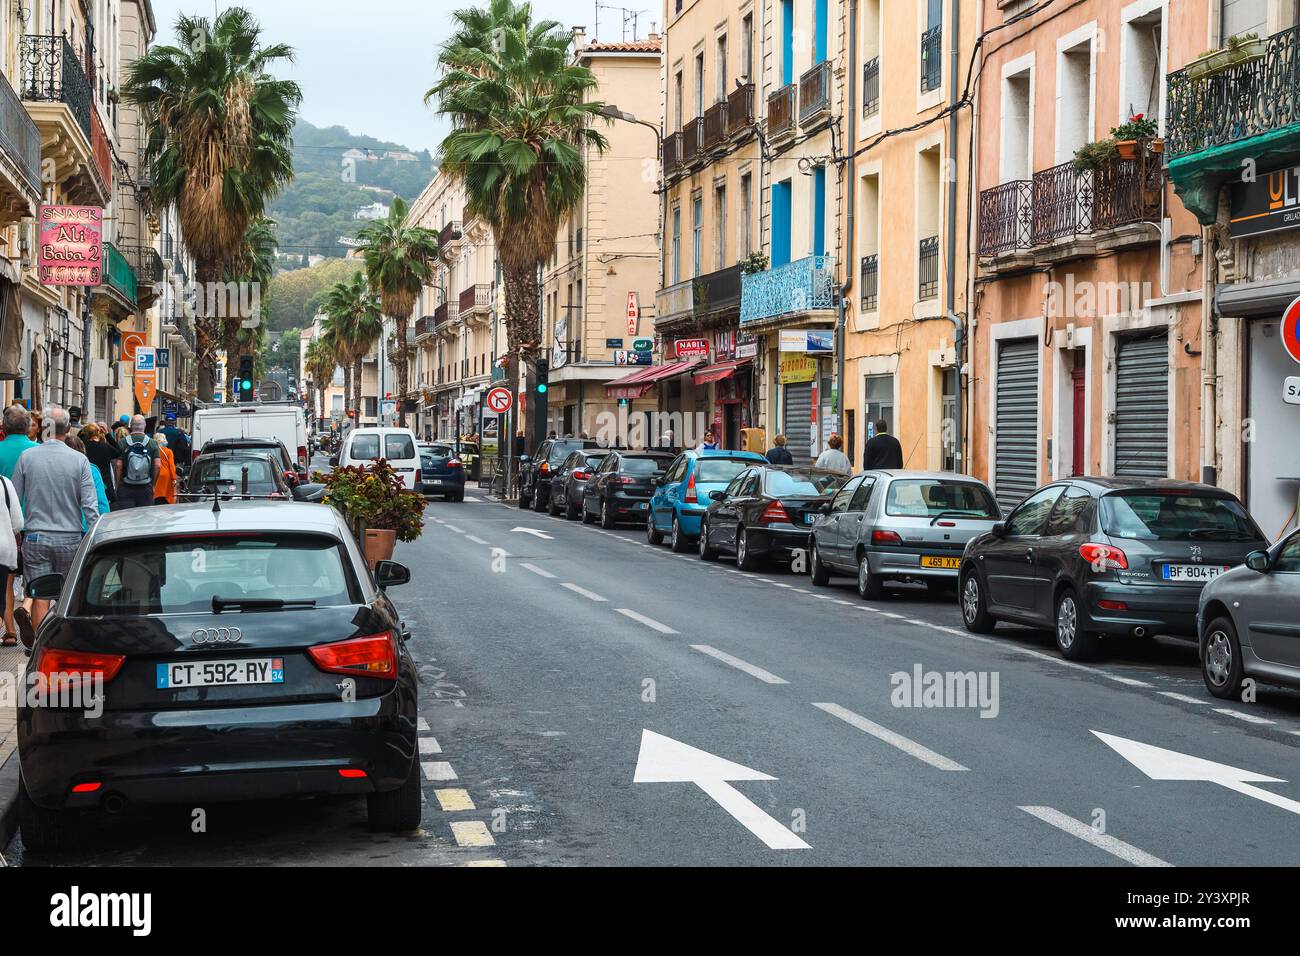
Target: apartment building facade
(1085, 353)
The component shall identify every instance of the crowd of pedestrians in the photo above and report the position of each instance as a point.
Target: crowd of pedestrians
(57, 482)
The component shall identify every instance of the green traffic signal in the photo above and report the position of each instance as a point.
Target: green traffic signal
(542, 387)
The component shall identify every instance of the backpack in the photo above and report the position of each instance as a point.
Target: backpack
(138, 469)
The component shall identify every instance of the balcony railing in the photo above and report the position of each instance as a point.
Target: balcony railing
(931, 59)
(713, 127)
(690, 141)
(716, 293)
(119, 275)
(476, 298)
(1062, 203)
(672, 153)
(871, 87)
(53, 73)
(424, 325)
(1245, 100)
(19, 137)
(1006, 221)
(815, 92)
(780, 111)
(800, 286)
(740, 110)
(928, 268)
(675, 302)
(101, 151)
(870, 283)
(443, 314)
(448, 234)
(1128, 191)
(146, 262)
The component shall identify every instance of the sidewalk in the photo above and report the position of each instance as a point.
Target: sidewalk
(12, 661)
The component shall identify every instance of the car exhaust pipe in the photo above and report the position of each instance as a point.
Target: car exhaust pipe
(1139, 632)
(114, 803)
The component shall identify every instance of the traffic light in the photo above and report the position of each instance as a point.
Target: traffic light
(244, 387)
(541, 386)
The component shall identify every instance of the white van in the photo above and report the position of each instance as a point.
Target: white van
(285, 422)
(366, 443)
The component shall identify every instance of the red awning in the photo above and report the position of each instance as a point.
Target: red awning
(716, 373)
(644, 379)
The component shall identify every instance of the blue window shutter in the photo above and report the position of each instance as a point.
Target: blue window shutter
(822, 26)
(780, 223)
(787, 42)
(819, 211)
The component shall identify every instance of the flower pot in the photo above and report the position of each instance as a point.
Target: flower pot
(379, 545)
(1156, 146)
(1128, 148)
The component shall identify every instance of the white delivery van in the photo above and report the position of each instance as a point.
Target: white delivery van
(365, 444)
(285, 422)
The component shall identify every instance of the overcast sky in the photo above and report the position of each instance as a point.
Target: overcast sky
(366, 64)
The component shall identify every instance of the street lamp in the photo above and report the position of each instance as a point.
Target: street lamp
(610, 111)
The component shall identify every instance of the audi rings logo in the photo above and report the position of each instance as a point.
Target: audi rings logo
(217, 635)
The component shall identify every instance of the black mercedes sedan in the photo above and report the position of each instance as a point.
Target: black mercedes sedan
(766, 511)
(622, 485)
(570, 482)
(1098, 557)
(199, 653)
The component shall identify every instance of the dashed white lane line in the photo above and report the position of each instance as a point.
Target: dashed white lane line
(483, 863)
(470, 537)
(767, 677)
(647, 621)
(453, 799)
(1248, 718)
(589, 595)
(430, 745)
(540, 572)
(437, 770)
(421, 724)
(472, 833)
(911, 747)
(452, 527)
(1183, 698)
(1102, 841)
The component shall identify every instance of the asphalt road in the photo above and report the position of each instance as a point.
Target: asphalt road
(547, 656)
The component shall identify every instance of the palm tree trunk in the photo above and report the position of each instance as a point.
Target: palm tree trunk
(230, 342)
(205, 330)
(522, 334)
(403, 367)
(347, 391)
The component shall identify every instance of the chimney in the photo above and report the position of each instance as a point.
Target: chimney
(579, 35)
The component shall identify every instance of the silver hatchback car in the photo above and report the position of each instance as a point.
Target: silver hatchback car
(900, 526)
(1248, 622)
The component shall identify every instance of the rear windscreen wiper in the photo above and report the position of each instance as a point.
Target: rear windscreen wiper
(954, 514)
(220, 604)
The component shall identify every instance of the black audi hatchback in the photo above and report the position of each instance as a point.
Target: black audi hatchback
(199, 654)
(1094, 557)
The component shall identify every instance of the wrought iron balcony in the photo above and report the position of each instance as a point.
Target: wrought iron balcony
(444, 315)
(780, 111)
(716, 293)
(19, 137)
(449, 235)
(931, 59)
(1062, 203)
(713, 127)
(672, 153)
(815, 93)
(476, 299)
(801, 286)
(53, 73)
(928, 268)
(740, 110)
(871, 87)
(690, 141)
(1246, 100)
(145, 260)
(870, 282)
(118, 274)
(424, 325)
(1006, 218)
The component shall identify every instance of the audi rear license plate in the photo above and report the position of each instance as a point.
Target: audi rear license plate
(935, 561)
(1192, 572)
(220, 673)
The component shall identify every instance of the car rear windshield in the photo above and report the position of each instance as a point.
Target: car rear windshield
(929, 498)
(562, 450)
(399, 447)
(231, 470)
(438, 451)
(183, 574)
(643, 467)
(1160, 516)
(365, 448)
(814, 484)
(719, 470)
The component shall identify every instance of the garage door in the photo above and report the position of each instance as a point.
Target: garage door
(1015, 456)
(1142, 408)
(796, 420)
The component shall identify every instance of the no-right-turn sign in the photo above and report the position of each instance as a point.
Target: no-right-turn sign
(499, 400)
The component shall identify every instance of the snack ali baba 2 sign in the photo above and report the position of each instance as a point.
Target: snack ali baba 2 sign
(71, 245)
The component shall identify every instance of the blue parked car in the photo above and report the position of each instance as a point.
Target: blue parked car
(683, 493)
(441, 472)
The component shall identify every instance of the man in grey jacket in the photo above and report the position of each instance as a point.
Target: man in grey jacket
(57, 491)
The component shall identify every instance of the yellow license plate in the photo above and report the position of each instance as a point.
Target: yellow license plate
(929, 561)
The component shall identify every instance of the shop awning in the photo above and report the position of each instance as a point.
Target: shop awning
(716, 373)
(644, 379)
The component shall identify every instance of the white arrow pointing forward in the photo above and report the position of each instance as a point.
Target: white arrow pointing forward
(664, 760)
(1160, 764)
(533, 531)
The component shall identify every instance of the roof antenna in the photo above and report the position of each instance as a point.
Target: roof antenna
(216, 500)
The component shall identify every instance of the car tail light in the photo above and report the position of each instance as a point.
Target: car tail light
(691, 498)
(453, 463)
(886, 537)
(545, 468)
(1103, 557)
(774, 513)
(1112, 605)
(302, 457)
(371, 656)
(66, 669)
(89, 787)
(581, 475)
(627, 480)
(351, 773)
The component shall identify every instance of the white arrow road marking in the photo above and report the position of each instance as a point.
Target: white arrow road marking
(1103, 841)
(533, 531)
(767, 677)
(664, 760)
(923, 754)
(1160, 764)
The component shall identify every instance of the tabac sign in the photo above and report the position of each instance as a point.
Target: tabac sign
(1268, 204)
(70, 245)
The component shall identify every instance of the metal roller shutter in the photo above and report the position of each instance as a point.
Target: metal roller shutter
(1142, 408)
(796, 420)
(1015, 458)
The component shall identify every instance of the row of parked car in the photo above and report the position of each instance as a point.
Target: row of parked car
(1092, 559)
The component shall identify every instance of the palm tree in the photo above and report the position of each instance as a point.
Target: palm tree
(399, 260)
(522, 122)
(357, 307)
(334, 342)
(218, 136)
(250, 269)
(320, 363)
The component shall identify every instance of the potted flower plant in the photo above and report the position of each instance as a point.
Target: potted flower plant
(1128, 135)
(1242, 48)
(1091, 157)
(377, 506)
(753, 263)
